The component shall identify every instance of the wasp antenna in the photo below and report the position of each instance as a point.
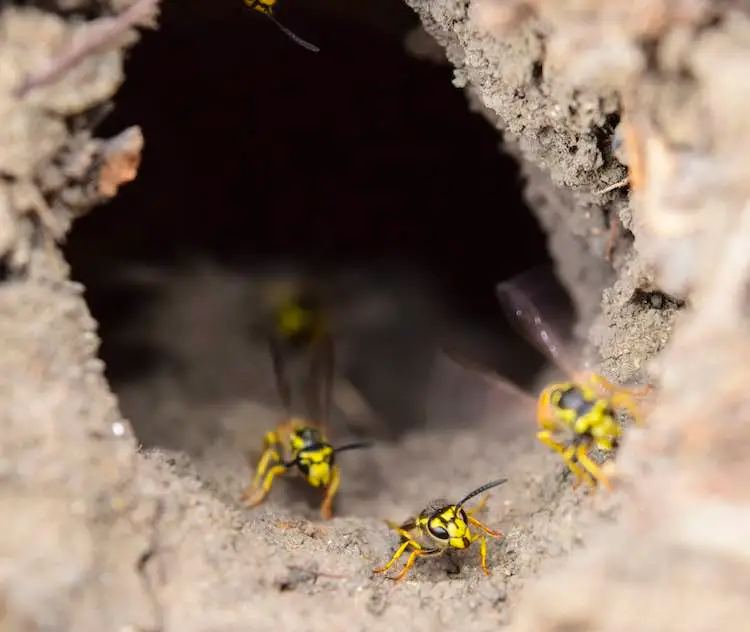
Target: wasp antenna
(481, 489)
(354, 446)
(293, 36)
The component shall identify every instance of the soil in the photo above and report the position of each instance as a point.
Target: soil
(103, 531)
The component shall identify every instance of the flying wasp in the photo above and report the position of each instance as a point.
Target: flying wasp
(576, 415)
(441, 528)
(299, 333)
(266, 7)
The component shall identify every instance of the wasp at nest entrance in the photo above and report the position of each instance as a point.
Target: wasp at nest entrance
(298, 334)
(441, 528)
(576, 415)
(301, 447)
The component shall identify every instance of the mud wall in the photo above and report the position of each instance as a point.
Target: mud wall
(583, 89)
(104, 536)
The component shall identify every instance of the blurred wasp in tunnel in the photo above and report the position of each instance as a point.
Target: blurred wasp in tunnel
(575, 415)
(440, 528)
(299, 335)
(266, 7)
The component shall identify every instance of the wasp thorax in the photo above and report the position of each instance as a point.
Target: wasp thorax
(570, 398)
(308, 438)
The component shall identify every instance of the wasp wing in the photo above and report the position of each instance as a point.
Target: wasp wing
(319, 382)
(520, 297)
(476, 384)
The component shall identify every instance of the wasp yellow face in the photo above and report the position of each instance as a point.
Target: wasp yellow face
(449, 527)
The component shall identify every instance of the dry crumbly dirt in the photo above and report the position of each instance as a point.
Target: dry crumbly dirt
(100, 535)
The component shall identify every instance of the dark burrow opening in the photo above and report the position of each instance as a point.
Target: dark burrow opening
(358, 159)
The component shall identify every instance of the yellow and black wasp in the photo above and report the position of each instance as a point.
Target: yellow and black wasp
(266, 7)
(440, 528)
(575, 415)
(300, 337)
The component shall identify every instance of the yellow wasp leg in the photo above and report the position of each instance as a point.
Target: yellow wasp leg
(591, 467)
(580, 472)
(253, 497)
(272, 454)
(484, 527)
(269, 454)
(477, 508)
(399, 552)
(483, 552)
(402, 532)
(600, 382)
(410, 562)
(621, 397)
(566, 453)
(326, 509)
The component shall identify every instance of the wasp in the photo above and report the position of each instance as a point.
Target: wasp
(266, 7)
(441, 528)
(576, 415)
(299, 332)
(299, 445)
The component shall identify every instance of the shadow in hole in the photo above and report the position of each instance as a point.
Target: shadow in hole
(237, 171)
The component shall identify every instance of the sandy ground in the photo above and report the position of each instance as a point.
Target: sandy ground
(280, 563)
(270, 558)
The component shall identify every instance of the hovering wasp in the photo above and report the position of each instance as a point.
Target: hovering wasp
(576, 415)
(299, 332)
(266, 8)
(440, 528)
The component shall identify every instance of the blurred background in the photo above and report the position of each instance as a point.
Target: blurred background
(360, 166)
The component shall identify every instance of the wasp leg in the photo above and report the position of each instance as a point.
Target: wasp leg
(570, 457)
(482, 551)
(484, 527)
(592, 468)
(420, 552)
(399, 529)
(477, 508)
(271, 464)
(565, 453)
(326, 509)
(599, 382)
(253, 497)
(621, 396)
(399, 552)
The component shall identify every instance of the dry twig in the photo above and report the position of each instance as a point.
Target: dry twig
(101, 35)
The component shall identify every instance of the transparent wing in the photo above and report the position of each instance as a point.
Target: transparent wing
(436, 504)
(476, 390)
(520, 298)
(319, 384)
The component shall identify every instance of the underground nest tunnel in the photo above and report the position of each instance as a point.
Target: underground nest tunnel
(360, 162)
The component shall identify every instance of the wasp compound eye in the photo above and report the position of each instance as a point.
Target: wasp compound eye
(439, 531)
